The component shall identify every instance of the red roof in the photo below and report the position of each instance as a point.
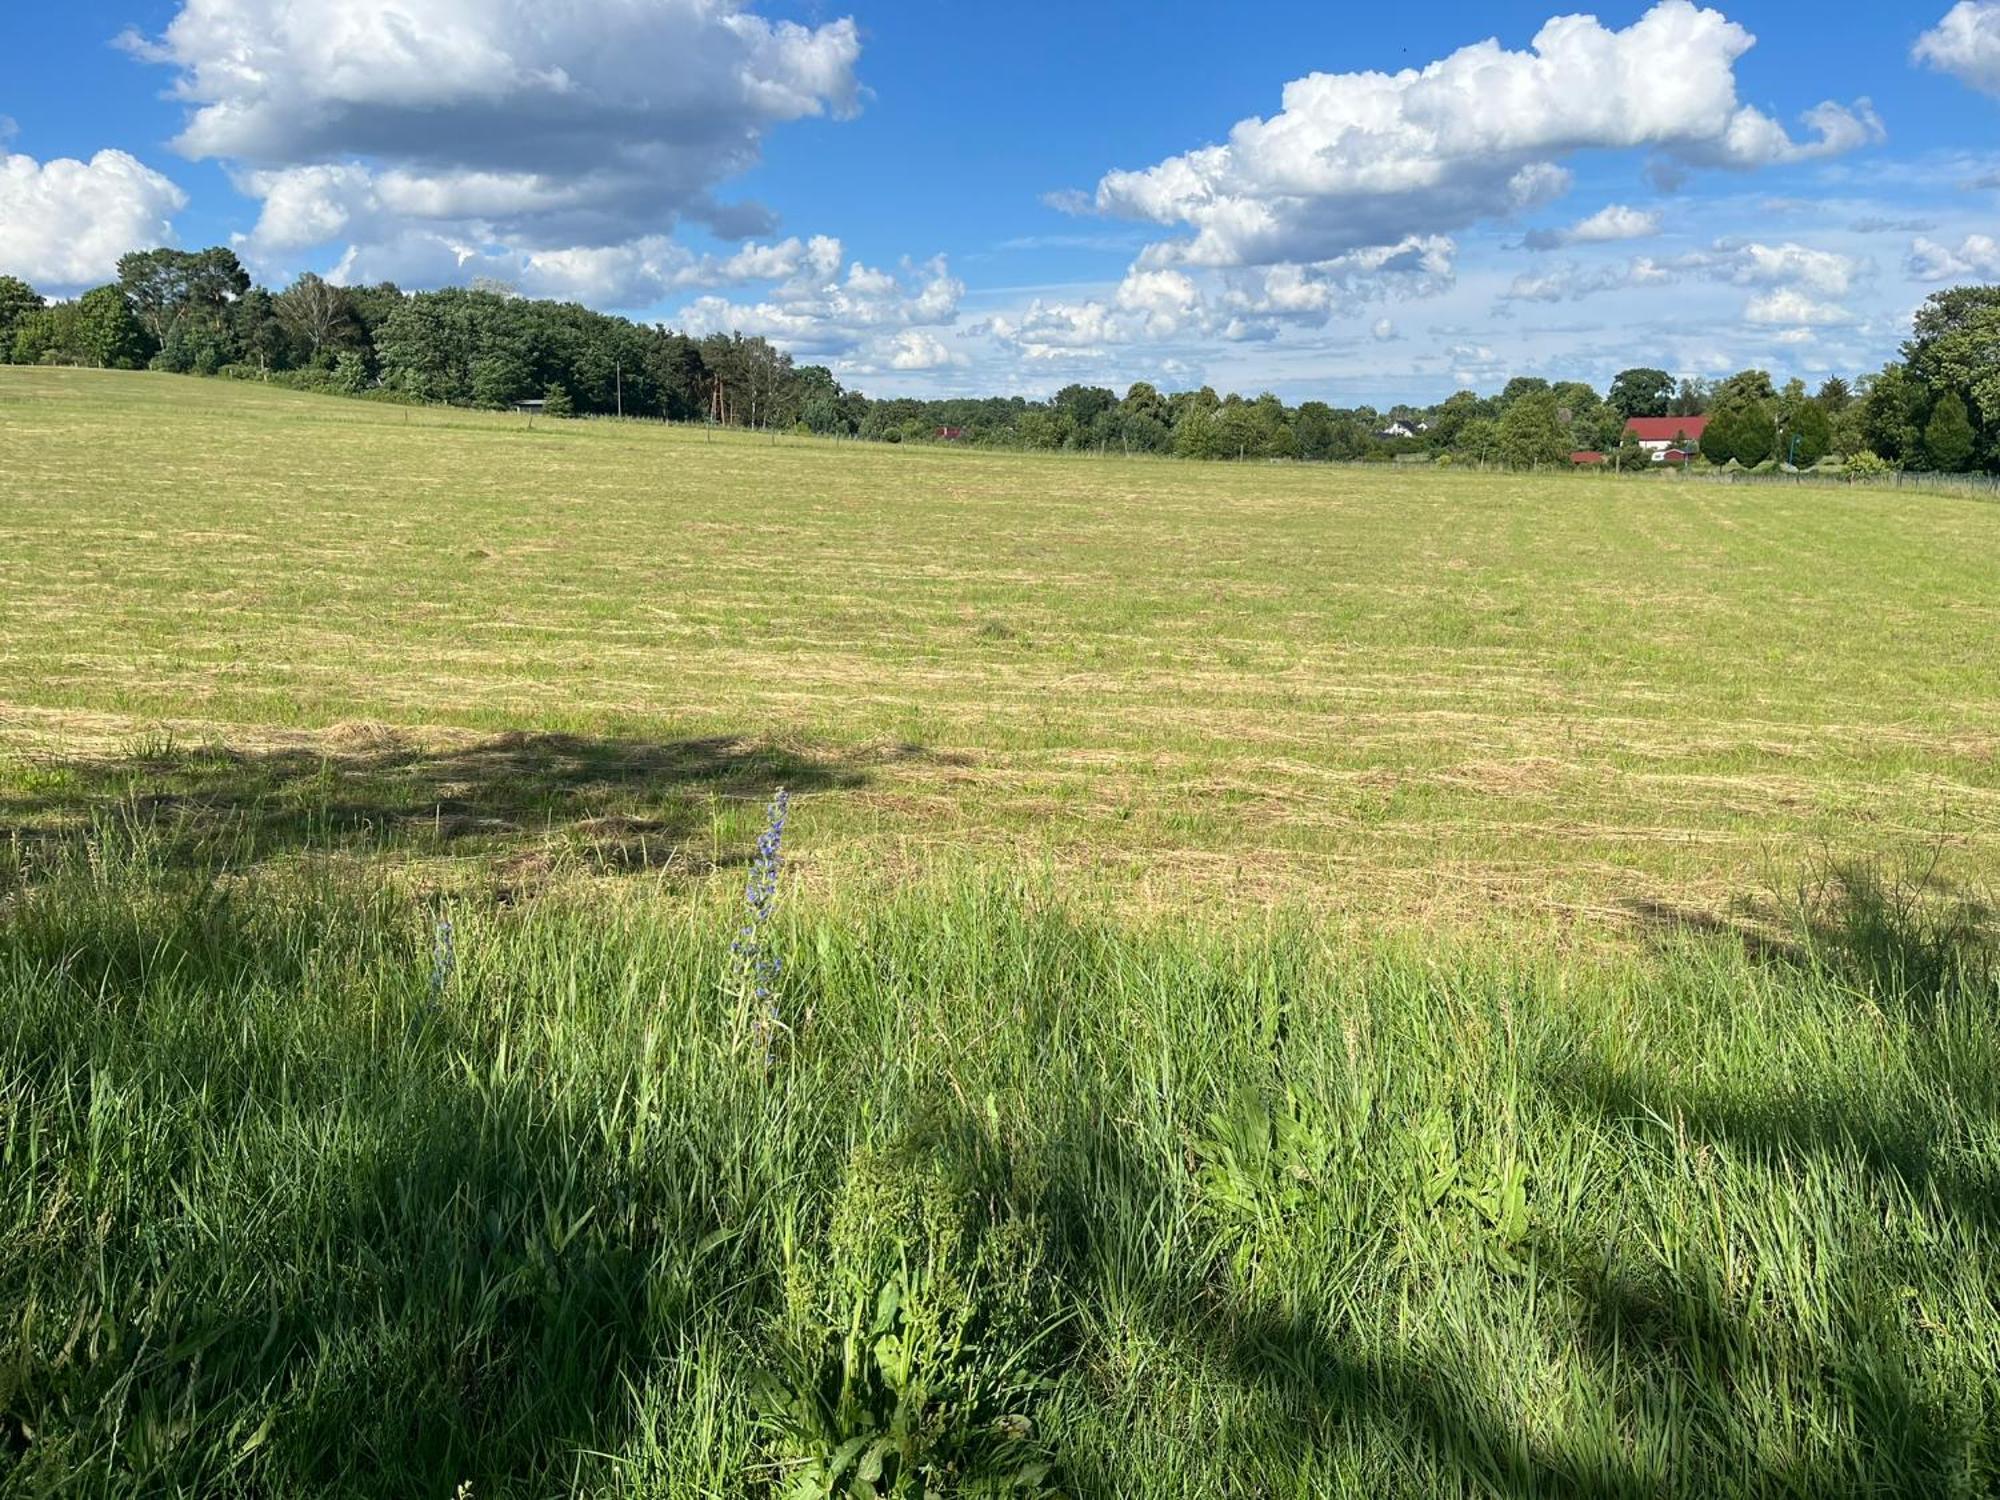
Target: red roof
(1586, 456)
(1665, 429)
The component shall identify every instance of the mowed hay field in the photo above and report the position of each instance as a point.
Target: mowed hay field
(1425, 699)
(1289, 982)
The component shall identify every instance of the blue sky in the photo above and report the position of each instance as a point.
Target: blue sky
(937, 198)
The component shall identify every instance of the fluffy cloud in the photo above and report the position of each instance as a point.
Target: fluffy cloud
(864, 319)
(1358, 159)
(64, 223)
(1790, 267)
(637, 273)
(1977, 255)
(482, 123)
(1753, 264)
(914, 349)
(1789, 307)
(1606, 226)
(1966, 44)
(1568, 282)
(1475, 365)
(1241, 305)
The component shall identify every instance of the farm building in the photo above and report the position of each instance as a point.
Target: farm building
(1660, 436)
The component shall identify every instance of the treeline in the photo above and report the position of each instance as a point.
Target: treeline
(198, 312)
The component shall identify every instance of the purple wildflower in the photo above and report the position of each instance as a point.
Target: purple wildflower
(757, 967)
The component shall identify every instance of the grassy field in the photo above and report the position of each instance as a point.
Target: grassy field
(1295, 982)
(1421, 699)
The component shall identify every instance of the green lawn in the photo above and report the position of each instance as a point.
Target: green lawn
(1294, 982)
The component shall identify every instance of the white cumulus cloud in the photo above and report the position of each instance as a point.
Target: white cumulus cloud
(1751, 263)
(1976, 255)
(64, 223)
(515, 125)
(1606, 226)
(1568, 282)
(865, 319)
(914, 349)
(1245, 304)
(1357, 159)
(1966, 44)
(1790, 307)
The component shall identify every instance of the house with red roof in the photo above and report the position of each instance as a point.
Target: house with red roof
(1664, 436)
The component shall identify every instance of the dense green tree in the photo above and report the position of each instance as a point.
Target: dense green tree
(1238, 431)
(1955, 346)
(1479, 441)
(1449, 417)
(1791, 401)
(1741, 420)
(1718, 439)
(48, 337)
(1144, 400)
(108, 335)
(1849, 436)
(17, 301)
(350, 373)
(1043, 429)
(1809, 436)
(1892, 416)
(1532, 431)
(1196, 434)
(1690, 400)
(1084, 406)
(1744, 386)
(1949, 440)
(1314, 429)
(96, 329)
(182, 290)
(500, 377)
(1641, 392)
(319, 316)
(259, 336)
(1522, 385)
(1835, 396)
(1755, 437)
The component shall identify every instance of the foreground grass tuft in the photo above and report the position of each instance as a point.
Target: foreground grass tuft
(1028, 1204)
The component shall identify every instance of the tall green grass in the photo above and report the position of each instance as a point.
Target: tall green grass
(1031, 1202)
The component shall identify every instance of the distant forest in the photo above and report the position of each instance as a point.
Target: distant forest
(1937, 408)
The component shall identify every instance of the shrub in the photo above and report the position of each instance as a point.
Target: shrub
(349, 375)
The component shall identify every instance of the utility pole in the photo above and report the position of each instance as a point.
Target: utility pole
(618, 374)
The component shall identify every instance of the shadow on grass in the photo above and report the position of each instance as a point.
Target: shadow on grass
(1898, 938)
(339, 1252)
(1685, 1369)
(1923, 959)
(456, 1270)
(526, 799)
